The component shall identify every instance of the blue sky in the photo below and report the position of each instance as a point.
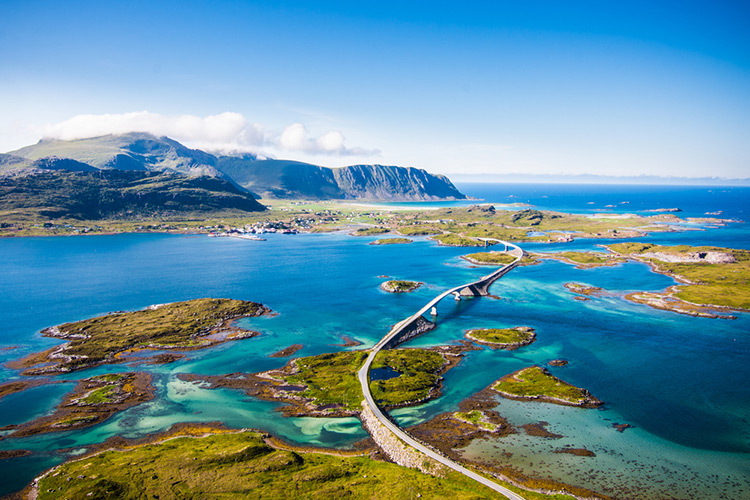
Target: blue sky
(456, 87)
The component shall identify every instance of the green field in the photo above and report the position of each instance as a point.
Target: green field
(243, 465)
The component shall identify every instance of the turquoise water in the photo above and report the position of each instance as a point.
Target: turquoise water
(681, 381)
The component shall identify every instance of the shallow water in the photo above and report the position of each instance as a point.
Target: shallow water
(681, 381)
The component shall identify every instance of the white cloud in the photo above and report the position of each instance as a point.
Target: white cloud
(223, 132)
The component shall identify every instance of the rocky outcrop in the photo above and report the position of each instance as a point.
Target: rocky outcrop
(416, 328)
(379, 182)
(707, 257)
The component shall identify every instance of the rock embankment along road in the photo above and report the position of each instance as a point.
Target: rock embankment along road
(386, 342)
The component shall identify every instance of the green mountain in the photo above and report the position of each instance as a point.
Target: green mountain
(118, 194)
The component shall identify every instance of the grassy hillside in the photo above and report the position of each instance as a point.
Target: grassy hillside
(117, 194)
(245, 465)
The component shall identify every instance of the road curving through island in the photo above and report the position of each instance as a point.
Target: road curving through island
(364, 372)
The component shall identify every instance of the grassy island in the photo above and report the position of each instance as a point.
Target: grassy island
(400, 286)
(503, 338)
(711, 276)
(391, 241)
(327, 384)
(537, 384)
(193, 324)
(246, 464)
(93, 400)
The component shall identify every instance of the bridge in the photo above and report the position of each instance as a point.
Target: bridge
(415, 325)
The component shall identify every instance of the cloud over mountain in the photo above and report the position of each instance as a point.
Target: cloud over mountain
(224, 132)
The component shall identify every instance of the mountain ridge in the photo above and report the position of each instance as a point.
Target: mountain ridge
(272, 178)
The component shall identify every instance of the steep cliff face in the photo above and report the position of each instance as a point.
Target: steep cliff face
(291, 179)
(380, 182)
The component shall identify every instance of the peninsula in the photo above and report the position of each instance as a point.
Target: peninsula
(710, 277)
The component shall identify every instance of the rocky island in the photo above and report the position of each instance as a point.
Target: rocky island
(503, 338)
(587, 290)
(400, 286)
(93, 400)
(537, 384)
(194, 324)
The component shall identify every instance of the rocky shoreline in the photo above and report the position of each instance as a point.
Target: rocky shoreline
(94, 400)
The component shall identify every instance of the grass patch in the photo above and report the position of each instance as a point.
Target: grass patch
(104, 394)
(476, 418)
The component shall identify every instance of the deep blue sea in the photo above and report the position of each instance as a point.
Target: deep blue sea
(682, 382)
